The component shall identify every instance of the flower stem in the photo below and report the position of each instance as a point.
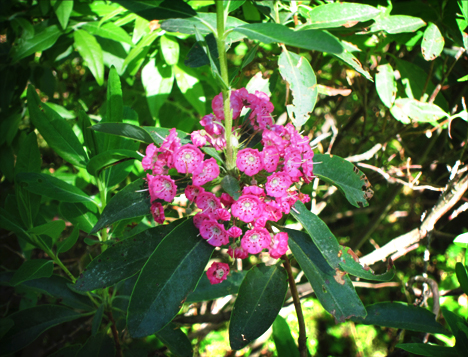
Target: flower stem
(297, 304)
(221, 43)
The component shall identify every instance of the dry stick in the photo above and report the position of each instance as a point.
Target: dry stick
(455, 191)
(115, 334)
(297, 304)
(429, 75)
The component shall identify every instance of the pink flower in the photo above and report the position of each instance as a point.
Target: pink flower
(292, 163)
(237, 102)
(206, 172)
(237, 252)
(279, 245)
(157, 211)
(308, 166)
(199, 218)
(208, 202)
(227, 200)
(253, 190)
(249, 161)
(171, 143)
(211, 125)
(151, 154)
(198, 138)
(187, 158)
(192, 191)
(222, 214)
(278, 184)
(271, 158)
(272, 210)
(247, 208)
(214, 233)
(162, 187)
(234, 232)
(217, 272)
(255, 240)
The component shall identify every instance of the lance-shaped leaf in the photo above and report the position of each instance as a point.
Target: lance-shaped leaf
(432, 42)
(32, 269)
(129, 202)
(170, 49)
(198, 54)
(158, 9)
(401, 315)
(109, 158)
(91, 52)
(55, 130)
(425, 349)
(259, 301)
(231, 186)
(459, 328)
(169, 275)
(82, 214)
(297, 71)
(97, 345)
(385, 84)
(108, 30)
(345, 176)
(332, 287)
(40, 42)
(397, 24)
(350, 264)
(30, 323)
(407, 109)
(63, 10)
(175, 340)
(284, 342)
(123, 259)
(462, 277)
(206, 291)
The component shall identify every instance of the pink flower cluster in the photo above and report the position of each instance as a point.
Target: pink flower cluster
(267, 182)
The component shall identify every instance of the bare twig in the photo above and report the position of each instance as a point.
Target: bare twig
(365, 156)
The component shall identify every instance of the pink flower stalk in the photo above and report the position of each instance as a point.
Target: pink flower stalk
(278, 184)
(157, 211)
(237, 252)
(247, 208)
(278, 245)
(255, 240)
(192, 192)
(162, 187)
(249, 161)
(214, 233)
(208, 202)
(187, 158)
(206, 172)
(217, 272)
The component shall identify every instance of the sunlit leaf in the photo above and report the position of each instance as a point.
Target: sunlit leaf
(385, 84)
(91, 52)
(432, 42)
(397, 24)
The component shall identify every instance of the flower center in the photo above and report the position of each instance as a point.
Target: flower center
(220, 273)
(274, 182)
(188, 156)
(254, 237)
(247, 204)
(211, 203)
(167, 185)
(215, 230)
(251, 159)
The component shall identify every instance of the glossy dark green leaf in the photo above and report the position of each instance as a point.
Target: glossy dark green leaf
(125, 130)
(206, 291)
(12, 223)
(385, 84)
(55, 130)
(425, 349)
(345, 176)
(51, 229)
(260, 299)
(284, 342)
(108, 30)
(91, 52)
(158, 9)
(231, 5)
(350, 264)
(69, 351)
(316, 40)
(401, 315)
(109, 158)
(231, 186)
(298, 72)
(69, 242)
(114, 111)
(63, 9)
(97, 319)
(462, 277)
(5, 325)
(432, 42)
(197, 55)
(175, 340)
(99, 345)
(89, 136)
(459, 328)
(339, 14)
(123, 259)
(32, 269)
(52, 187)
(83, 214)
(397, 24)
(30, 323)
(334, 290)
(40, 42)
(179, 261)
(213, 153)
(127, 203)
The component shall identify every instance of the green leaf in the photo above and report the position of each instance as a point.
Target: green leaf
(407, 110)
(206, 291)
(284, 342)
(170, 49)
(136, 56)
(125, 130)
(347, 57)
(91, 52)
(339, 14)
(397, 24)
(403, 316)
(432, 43)
(158, 80)
(40, 42)
(55, 130)
(109, 30)
(457, 325)
(68, 351)
(110, 158)
(82, 214)
(461, 240)
(190, 87)
(348, 178)
(114, 112)
(30, 323)
(175, 340)
(127, 203)
(385, 84)
(425, 349)
(334, 290)
(179, 261)
(462, 277)
(89, 137)
(123, 259)
(10, 223)
(98, 345)
(5, 325)
(316, 40)
(158, 9)
(52, 229)
(97, 319)
(63, 9)
(32, 269)
(52, 187)
(258, 302)
(231, 186)
(350, 264)
(69, 242)
(231, 5)
(297, 71)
